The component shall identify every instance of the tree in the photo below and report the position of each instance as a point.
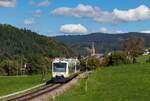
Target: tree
(89, 63)
(116, 58)
(36, 63)
(9, 67)
(133, 46)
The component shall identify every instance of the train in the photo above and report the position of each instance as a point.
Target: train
(64, 69)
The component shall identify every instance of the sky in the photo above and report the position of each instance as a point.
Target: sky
(72, 17)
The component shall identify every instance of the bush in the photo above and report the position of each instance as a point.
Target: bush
(83, 64)
(116, 58)
(93, 63)
(2, 72)
(8, 67)
(90, 63)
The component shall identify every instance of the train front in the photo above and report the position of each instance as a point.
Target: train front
(59, 71)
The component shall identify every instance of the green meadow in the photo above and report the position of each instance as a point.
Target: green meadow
(143, 59)
(117, 83)
(11, 84)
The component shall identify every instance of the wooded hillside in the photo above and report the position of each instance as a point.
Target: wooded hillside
(103, 42)
(14, 42)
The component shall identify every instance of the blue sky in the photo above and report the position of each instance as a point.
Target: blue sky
(58, 17)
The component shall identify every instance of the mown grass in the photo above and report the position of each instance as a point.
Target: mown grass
(10, 84)
(118, 83)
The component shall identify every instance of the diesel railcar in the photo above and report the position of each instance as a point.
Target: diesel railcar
(64, 69)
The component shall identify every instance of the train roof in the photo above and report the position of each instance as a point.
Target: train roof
(65, 60)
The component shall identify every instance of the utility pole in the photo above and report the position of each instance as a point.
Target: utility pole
(17, 67)
(86, 82)
(21, 65)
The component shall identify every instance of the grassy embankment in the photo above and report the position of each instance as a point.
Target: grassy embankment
(10, 84)
(118, 83)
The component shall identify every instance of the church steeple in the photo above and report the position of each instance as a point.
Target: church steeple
(93, 49)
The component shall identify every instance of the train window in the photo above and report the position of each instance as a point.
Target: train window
(59, 67)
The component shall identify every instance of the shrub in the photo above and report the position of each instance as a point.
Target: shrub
(116, 58)
(90, 63)
(2, 72)
(93, 63)
(9, 67)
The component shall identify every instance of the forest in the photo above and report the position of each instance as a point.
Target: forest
(22, 46)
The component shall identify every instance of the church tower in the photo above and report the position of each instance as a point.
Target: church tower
(93, 49)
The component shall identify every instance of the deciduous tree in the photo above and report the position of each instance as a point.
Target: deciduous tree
(133, 46)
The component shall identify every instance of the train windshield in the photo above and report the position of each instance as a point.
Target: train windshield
(59, 67)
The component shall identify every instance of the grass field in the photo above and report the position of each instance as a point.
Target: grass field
(142, 59)
(12, 84)
(118, 83)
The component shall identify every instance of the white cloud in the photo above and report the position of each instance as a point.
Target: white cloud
(73, 28)
(7, 3)
(29, 21)
(38, 12)
(119, 31)
(43, 3)
(145, 31)
(140, 13)
(104, 30)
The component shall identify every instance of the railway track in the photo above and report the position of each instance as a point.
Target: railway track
(34, 94)
(49, 91)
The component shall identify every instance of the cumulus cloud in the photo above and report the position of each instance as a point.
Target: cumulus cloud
(38, 13)
(29, 21)
(145, 31)
(140, 13)
(73, 28)
(43, 3)
(7, 3)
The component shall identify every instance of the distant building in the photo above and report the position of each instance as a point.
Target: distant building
(93, 52)
(109, 53)
(146, 52)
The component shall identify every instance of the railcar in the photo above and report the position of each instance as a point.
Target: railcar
(64, 69)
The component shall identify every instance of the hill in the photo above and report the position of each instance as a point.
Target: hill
(118, 83)
(103, 42)
(15, 42)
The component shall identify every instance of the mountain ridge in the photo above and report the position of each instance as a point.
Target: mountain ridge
(103, 42)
